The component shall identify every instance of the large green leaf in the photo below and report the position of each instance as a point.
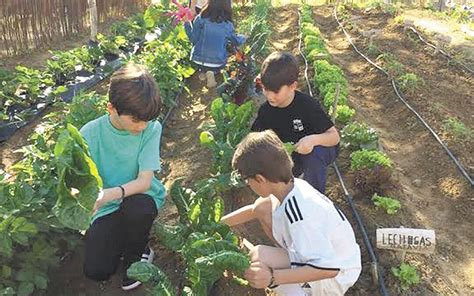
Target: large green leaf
(79, 181)
(147, 272)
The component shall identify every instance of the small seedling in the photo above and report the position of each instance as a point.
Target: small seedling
(407, 275)
(457, 129)
(390, 205)
(410, 82)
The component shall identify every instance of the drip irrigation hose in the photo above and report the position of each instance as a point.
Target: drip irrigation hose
(446, 54)
(376, 274)
(400, 96)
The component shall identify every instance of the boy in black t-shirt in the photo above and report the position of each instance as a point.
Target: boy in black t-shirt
(298, 118)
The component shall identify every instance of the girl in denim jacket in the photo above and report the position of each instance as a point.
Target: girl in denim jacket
(209, 33)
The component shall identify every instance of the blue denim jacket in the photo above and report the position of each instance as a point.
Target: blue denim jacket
(209, 40)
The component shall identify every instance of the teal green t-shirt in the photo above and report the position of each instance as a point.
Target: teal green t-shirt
(121, 155)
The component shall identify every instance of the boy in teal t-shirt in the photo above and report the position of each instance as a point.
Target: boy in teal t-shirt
(125, 146)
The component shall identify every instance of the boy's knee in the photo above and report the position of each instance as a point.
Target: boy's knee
(139, 206)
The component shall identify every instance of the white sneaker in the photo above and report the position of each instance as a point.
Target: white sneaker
(211, 80)
(148, 255)
(130, 284)
(202, 76)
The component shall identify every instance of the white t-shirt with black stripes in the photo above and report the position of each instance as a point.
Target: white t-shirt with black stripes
(316, 233)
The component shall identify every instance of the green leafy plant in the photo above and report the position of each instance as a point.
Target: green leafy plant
(344, 113)
(410, 82)
(357, 136)
(369, 159)
(394, 67)
(407, 275)
(457, 129)
(146, 272)
(327, 78)
(390, 205)
(290, 147)
(79, 181)
(373, 50)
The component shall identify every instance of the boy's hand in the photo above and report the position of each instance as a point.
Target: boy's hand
(104, 197)
(305, 145)
(258, 275)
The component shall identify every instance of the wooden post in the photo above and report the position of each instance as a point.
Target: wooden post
(93, 19)
(334, 104)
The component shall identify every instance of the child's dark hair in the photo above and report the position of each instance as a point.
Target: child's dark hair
(278, 69)
(218, 11)
(133, 91)
(263, 153)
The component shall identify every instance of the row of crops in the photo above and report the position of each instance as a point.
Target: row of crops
(372, 168)
(207, 246)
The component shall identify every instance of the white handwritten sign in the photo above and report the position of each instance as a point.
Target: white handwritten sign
(406, 239)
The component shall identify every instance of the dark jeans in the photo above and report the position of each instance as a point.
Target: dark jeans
(121, 233)
(314, 165)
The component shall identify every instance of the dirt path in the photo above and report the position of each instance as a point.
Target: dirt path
(432, 193)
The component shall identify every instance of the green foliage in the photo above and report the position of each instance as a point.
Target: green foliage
(146, 272)
(231, 125)
(457, 129)
(407, 275)
(394, 67)
(326, 80)
(289, 147)
(85, 107)
(373, 50)
(79, 181)
(165, 59)
(390, 205)
(369, 159)
(410, 82)
(344, 113)
(357, 136)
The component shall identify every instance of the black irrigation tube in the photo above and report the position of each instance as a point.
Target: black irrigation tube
(446, 54)
(168, 114)
(376, 274)
(400, 96)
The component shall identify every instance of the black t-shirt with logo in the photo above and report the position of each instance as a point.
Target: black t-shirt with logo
(303, 117)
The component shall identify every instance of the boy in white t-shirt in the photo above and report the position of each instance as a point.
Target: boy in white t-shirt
(317, 253)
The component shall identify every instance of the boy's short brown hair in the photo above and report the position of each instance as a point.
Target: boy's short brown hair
(263, 153)
(133, 91)
(278, 69)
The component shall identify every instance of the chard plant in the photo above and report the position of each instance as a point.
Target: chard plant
(208, 247)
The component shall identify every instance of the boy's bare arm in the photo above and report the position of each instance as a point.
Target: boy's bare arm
(327, 139)
(259, 275)
(140, 185)
(239, 216)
